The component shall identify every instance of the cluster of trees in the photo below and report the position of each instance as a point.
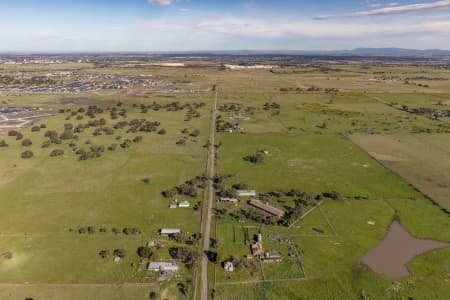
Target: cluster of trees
(269, 106)
(131, 231)
(309, 89)
(95, 152)
(93, 229)
(427, 111)
(230, 107)
(34, 80)
(186, 255)
(255, 215)
(256, 158)
(225, 126)
(188, 188)
(15, 133)
(193, 134)
(144, 252)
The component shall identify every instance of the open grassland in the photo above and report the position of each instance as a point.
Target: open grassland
(423, 160)
(304, 154)
(318, 141)
(46, 200)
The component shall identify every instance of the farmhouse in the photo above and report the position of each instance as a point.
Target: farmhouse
(168, 231)
(228, 200)
(267, 208)
(228, 266)
(163, 267)
(246, 193)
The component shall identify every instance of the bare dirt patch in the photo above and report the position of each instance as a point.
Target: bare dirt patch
(398, 248)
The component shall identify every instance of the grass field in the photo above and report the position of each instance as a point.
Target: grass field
(352, 140)
(55, 196)
(423, 160)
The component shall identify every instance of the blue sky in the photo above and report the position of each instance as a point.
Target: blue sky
(183, 25)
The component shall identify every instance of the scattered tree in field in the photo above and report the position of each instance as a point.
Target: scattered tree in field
(126, 143)
(19, 136)
(12, 133)
(112, 147)
(3, 143)
(131, 231)
(56, 152)
(137, 139)
(195, 133)
(27, 154)
(27, 142)
(181, 142)
(35, 128)
(162, 132)
(119, 253)
(104, 254)
(255, 158)
(46, 144)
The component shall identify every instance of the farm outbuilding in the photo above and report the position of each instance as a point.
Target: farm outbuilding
(163, 267)
(272, 210)
(246, 193)
(169, 231)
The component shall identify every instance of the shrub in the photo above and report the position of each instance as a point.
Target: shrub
(26, 142)
(144, 252)
(56, 152)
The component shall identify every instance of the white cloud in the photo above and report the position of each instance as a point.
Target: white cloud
(161, 2)
(392, 10)
(263, 28)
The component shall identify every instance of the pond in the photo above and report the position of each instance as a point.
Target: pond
(398, 248)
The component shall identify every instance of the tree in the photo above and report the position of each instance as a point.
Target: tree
(12, 133)
(27, 154)
(137, 139)
(104, 254)
(119, 253)
(195, 133)
(3, 143)
(162, 131)
(19, 136)
(144, 252)
(56, 152)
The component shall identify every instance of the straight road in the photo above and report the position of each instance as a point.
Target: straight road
(209, 199)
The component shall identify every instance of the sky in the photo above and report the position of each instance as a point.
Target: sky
(196, 25)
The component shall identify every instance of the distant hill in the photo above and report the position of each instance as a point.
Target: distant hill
(397, 51)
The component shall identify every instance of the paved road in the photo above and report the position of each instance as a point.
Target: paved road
(210, 199)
